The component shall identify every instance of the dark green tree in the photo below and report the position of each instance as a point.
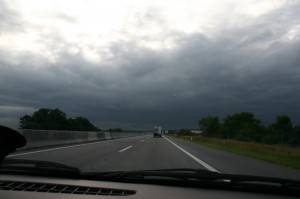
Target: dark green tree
(55, 119)
(242, 126)
(281, 130)
(81, 124)
(47, 119)
(27, 122)
(209, 126)
(296, 139)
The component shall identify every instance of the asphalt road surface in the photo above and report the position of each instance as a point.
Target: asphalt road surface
(146, 152)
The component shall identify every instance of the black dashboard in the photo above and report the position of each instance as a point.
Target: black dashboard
(25, 186)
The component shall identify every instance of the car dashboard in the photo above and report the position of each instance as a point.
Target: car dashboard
(34, 187)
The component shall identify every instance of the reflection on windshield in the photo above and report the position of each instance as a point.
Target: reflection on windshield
(154, 85)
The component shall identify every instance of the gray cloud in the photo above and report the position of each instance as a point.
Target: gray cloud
(248, 68)
(9, 19)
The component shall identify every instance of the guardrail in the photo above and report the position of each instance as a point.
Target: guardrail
(45, 138)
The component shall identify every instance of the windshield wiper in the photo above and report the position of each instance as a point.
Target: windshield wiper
(183, 174)
(203, 178)
(37, 167)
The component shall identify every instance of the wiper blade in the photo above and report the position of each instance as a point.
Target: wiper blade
(182, 173)
(201, 176)
(37, 166)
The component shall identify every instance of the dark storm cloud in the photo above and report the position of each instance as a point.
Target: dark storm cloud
(246, 68)
(243, 79)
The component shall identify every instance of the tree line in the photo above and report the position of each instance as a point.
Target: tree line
(55, 119)
(245, 127)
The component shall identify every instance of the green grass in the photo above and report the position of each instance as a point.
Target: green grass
(279, 154)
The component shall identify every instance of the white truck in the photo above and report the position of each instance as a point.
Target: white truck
(157, 132)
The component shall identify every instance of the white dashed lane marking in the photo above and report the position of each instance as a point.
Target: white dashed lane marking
(125, 149)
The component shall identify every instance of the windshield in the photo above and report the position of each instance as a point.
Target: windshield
(143, 85)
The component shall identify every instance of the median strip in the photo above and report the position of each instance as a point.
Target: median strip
(205, 165)
(64, 147)
(52, 149)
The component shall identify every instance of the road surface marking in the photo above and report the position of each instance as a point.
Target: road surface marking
(64, 147)
(208, 167)
(142, 140)
(125, 149)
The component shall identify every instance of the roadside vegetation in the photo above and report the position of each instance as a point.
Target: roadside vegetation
(244, 126)
(55, 119)
(280, 154)
(244, 134)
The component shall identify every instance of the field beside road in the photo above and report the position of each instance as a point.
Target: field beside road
(280, 154)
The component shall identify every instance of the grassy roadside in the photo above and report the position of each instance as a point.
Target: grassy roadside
(279, 154)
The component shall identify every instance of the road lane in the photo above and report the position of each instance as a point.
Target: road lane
(146, 152)
(135, 153)
(153, 153)
(204, 164)
(227, 162)
(87, 156)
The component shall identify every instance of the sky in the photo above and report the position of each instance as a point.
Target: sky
(134, 64)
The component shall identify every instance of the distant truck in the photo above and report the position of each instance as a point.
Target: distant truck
(157, 132)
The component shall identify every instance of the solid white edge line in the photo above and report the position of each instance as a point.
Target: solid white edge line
(125, 149)
(205, 165)
(64, 147)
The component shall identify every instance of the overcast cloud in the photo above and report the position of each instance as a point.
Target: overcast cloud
(137, 64)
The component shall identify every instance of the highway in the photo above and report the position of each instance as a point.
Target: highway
(146, 152)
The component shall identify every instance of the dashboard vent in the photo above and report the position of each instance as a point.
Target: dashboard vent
(59, 188)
